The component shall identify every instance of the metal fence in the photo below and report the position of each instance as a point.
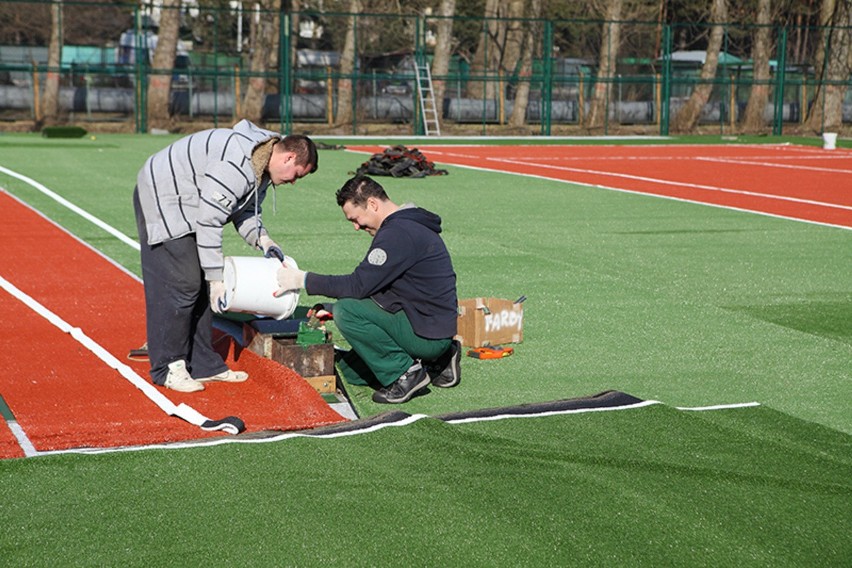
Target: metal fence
(656, 68)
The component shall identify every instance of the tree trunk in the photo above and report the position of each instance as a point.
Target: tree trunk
(160, 80)
(50, 100)
(687, 117)
(477, 88)
(347, 67)
(443, 50)
(295, 7)
(610, 44)
(522, 95)
(826, 17)
(754, 120)
(264, 58)
(826, 112)
(514, 42)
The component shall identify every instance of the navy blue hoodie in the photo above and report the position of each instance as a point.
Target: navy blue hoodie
(407, 268)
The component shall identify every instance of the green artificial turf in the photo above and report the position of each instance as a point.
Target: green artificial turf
(684, 303)
(688, 304)
(649, 486)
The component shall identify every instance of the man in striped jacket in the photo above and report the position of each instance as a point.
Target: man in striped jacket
(185, 194)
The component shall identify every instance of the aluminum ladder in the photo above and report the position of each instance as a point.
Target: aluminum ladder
(428, 108)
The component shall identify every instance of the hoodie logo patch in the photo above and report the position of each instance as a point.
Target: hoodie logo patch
(377, 257)
(222, 200)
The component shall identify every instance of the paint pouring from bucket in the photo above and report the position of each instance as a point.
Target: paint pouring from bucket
(251, 281)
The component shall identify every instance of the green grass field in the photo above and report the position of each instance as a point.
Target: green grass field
(682, 303)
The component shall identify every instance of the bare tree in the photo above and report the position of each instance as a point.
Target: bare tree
(50, 100)
(347, 67)
(754, 120)
(160, 80)
(519, 110)
(485, 53)
(264, 56)
(295, 7)
(826, 112)
(827, 9)
(610, 44)
(443, 49)
(514, 35)
(688, 115)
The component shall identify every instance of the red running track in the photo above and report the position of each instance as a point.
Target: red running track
(794, 182)
(64, 396)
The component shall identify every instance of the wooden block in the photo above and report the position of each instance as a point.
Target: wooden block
(315, 363)
(323, 384)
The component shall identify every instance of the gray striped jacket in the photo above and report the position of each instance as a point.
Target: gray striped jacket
(200, 183)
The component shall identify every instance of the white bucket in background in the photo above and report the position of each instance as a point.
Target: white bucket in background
(829, 140)
(251, 281)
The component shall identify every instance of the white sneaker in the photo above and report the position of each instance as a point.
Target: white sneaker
(228, 376)
(178, 378)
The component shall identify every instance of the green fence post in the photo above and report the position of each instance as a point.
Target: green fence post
(140, 60)
(356, 76)
(666, 80)
(419, 60)
(547, 91)
(285, 76)
(778, 124)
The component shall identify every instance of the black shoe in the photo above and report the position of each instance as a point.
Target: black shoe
(445, 371)
(404, 388)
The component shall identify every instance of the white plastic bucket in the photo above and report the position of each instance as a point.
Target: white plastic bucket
(829, 140)
(251, 281)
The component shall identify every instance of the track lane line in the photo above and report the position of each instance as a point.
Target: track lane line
(64, 202)
(797, 167)
(810, 221)
(181, 410)
(677, 183)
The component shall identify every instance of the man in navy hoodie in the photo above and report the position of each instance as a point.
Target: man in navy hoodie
(398, 309)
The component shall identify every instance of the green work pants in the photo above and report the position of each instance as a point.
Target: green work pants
(383, 341)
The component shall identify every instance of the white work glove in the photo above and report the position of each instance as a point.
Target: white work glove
(270, 248)
(217, 296)
(289, 278)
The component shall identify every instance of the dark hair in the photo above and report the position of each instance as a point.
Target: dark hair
(304, 148)
(358, 189)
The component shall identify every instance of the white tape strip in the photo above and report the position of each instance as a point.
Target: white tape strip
(23, 440)
(181, 411)
(83, 213)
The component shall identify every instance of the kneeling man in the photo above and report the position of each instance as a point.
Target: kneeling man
(398, 309)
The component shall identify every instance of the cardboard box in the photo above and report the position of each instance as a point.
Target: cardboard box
(490, 321)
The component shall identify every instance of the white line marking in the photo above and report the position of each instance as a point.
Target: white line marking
(181, 410)
(734, 159)
(636, 192)
(718, 406)
(71, 235)
(23, 440)
(377, 427)
(739, 161)
(676, 183)
(83, 213)
(552, 413)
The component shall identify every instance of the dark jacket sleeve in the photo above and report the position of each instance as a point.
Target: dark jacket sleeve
(388, 258)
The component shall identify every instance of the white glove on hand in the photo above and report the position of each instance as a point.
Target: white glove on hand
(289, 278)
(217, 296)
(270, 248)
